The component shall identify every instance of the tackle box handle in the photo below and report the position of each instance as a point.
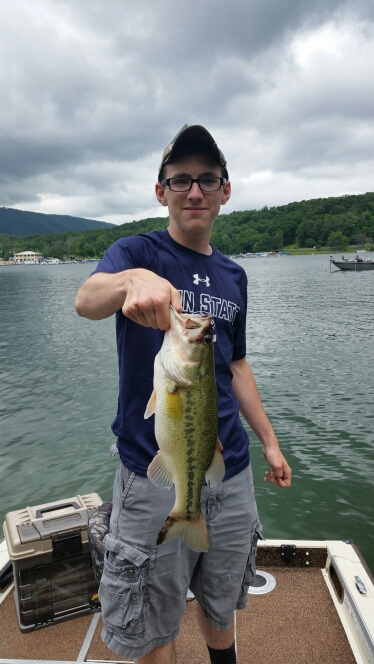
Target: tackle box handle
(39, 513)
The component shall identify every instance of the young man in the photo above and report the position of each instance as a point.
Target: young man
(144, 586)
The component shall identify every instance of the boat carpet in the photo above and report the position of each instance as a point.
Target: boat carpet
(61, 641)
(296, 623)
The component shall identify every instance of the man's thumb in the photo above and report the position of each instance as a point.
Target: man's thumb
(175, 300)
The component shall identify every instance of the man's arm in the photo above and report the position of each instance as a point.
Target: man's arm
(143, 296)
(250, 404)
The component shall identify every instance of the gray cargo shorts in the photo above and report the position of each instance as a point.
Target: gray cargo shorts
(144, 586)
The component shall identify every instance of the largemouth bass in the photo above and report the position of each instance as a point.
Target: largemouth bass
(184, 401)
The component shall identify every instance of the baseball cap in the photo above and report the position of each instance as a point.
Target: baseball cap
(196, 134)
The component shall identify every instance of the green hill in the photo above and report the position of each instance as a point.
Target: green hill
(335, 222)
(20, 222)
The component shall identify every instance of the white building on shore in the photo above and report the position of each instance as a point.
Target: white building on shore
(28, 257)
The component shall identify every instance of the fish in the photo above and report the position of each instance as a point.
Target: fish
(185, 404)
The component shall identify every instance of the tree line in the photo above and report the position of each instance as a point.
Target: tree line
(335, 222)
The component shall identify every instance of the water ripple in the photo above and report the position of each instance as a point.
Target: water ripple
(310, 343)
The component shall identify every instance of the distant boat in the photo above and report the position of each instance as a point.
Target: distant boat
(357, 266)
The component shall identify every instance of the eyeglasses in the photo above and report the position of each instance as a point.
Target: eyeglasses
(184, 184)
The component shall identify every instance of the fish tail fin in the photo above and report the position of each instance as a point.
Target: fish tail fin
(193, 531)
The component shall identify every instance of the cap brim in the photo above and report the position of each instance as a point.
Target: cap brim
(193, 133)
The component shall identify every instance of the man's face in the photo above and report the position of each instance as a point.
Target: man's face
(192, 213)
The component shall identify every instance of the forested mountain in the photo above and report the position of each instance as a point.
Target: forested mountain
(349, 219)
(323, 222)
(20, 222)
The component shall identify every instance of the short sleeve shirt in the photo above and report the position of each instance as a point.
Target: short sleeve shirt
(208, 284)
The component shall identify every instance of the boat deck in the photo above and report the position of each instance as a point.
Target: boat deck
(296, 623)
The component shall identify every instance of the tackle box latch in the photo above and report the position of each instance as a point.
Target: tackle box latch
(67, 546)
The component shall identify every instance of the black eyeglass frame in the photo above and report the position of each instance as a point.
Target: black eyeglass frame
(166, 183)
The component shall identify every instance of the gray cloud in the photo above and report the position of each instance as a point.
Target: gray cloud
(96, 90)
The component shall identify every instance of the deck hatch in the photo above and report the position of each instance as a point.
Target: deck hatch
(264, 583)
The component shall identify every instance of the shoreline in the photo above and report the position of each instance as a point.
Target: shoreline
(290, 252)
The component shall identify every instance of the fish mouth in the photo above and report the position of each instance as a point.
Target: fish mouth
(191, 321)
(194, 326)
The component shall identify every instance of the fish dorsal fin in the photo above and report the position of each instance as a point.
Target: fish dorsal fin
(151, 406)
(158, 473)
(216, 471)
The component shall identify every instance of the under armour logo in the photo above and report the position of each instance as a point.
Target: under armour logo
(196, 280)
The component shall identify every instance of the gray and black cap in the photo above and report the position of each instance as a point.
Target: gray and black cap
(198, 137)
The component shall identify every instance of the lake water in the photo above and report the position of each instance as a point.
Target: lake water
(311, 347)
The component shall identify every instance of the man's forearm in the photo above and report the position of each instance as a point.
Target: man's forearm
(101, 295)
(142, 295)
(250, 404)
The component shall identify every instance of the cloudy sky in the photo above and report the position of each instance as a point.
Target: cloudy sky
(93, 90)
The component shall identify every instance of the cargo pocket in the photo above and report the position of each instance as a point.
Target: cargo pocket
(250, 570)
(123, 587)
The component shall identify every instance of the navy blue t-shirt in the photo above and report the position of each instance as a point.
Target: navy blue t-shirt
(208, 284)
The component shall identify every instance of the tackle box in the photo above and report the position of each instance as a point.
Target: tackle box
(50, 553)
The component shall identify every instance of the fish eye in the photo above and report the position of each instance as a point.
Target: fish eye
(207, 339)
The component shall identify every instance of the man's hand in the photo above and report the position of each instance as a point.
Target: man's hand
(141, 294)
(280, 474)
(148, 299)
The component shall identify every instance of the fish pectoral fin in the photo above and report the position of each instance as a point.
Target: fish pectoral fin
(159, 474)
(215, 473)
(151, 406)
